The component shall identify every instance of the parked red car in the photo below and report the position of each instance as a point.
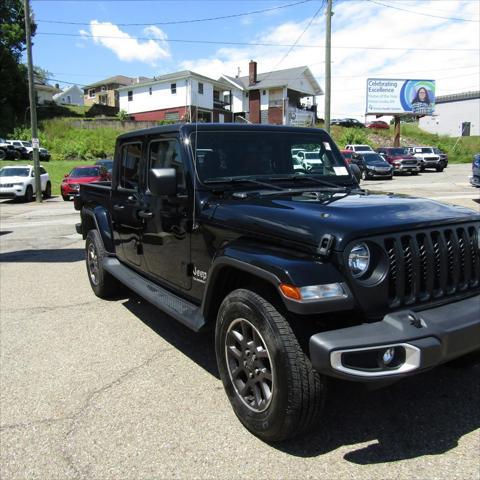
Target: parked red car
(379, 125)
(70, 185)
(347, 155)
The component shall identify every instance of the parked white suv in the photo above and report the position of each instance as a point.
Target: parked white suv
(18, 182)
(359, 148)
(428, 158)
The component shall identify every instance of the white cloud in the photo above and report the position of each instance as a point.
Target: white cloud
(126, 47)
(360, 23)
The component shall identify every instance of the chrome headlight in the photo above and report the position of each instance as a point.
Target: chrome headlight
(359, 259)
(18, 184)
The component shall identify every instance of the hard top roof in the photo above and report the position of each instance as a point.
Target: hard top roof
(188, 128)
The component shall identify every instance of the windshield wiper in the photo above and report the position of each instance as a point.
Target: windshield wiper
(316, 180)
(242, 180)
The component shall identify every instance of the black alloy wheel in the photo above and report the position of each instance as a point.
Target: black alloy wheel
(270, 382)
(28, 197)
(103, 284)
(48, 191)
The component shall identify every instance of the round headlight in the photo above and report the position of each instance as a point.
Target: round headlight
(359, 259)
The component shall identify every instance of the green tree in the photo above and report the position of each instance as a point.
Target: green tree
(14, 91)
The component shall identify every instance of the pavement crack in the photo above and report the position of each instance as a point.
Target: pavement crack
(45, 308)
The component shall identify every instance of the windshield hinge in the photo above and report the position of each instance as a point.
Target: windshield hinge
(326, 245)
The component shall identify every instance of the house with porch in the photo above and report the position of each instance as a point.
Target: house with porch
(280, 97)
(179, 96)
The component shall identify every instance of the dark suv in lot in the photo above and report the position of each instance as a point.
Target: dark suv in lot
(400, 159)
(301, 274)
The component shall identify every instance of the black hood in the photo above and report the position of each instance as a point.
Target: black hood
(305, 218)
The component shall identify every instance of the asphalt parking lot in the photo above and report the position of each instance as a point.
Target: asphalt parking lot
(93, 389)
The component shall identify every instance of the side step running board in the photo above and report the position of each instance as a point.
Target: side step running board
(180, 309)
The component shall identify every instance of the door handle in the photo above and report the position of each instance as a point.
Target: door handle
(145, 214)
(131, 199)
(118, 207)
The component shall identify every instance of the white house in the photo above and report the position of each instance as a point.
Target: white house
(44, 93)
(455, 115)
(177, 96)
(281, 97)
(70, 96)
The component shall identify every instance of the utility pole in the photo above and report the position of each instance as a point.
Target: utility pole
(33, 108)
(328, 73)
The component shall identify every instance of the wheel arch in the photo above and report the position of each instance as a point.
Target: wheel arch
(98, 219)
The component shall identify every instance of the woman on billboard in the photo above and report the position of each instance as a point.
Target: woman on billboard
(421, 102)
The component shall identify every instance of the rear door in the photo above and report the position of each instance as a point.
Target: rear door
(126, 202)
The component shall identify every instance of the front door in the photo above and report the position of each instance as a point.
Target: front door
(166, 236)
(126, 201)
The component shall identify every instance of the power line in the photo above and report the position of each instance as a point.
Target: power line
(177, 22)
(295, 44)
(253, 44)
(421, 13)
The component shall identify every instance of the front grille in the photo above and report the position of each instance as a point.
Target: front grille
(6, 185)
(427, 266)
(409, 162)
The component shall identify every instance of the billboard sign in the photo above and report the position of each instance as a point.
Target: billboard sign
(392, 96)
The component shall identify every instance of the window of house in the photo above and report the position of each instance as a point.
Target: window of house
(264, 92)
(166, 154)
(91, 93)
(130, 95)
(200, 88)
(103, 88)
(172, 116)
(149, 90)
(69, 99)
(173, 88)
(130, 165)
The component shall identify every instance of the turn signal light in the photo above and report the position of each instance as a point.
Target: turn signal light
(290, 291)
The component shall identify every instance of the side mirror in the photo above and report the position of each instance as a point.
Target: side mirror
(162, 181)
(356, 172)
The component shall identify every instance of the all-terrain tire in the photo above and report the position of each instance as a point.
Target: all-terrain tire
(48, 190)
(103, 284)
(297, 391)
(28, 197)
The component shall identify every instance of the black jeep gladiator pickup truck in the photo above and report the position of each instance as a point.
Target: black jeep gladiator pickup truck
(303, 274)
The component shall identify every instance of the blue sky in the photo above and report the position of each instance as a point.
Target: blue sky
(434, 39)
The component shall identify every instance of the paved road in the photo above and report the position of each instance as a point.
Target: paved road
(115, 390)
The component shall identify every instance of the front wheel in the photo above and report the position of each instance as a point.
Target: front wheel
(414, 173)
(28, 197)
(365, 175)
(439, 169)
(270, 382)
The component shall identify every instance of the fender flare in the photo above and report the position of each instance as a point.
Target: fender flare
(101, 219)
(276, 267)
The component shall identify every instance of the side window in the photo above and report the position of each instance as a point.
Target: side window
(166, 154)
(130, 165)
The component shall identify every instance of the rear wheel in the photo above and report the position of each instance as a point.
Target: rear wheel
(66, 198)
(102, 283)
(271, 385)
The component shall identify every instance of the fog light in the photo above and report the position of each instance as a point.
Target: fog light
(388, 356)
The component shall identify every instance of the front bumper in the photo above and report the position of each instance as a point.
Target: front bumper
(406, 168)
(428, 338)
(12, 192)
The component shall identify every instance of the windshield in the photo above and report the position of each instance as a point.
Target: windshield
(14, 172)
(85, 172)
(397, 152)
(265, 155)
(107, 164)
(423, 150)
(363, 148)
(26, 144)
(373, 158)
